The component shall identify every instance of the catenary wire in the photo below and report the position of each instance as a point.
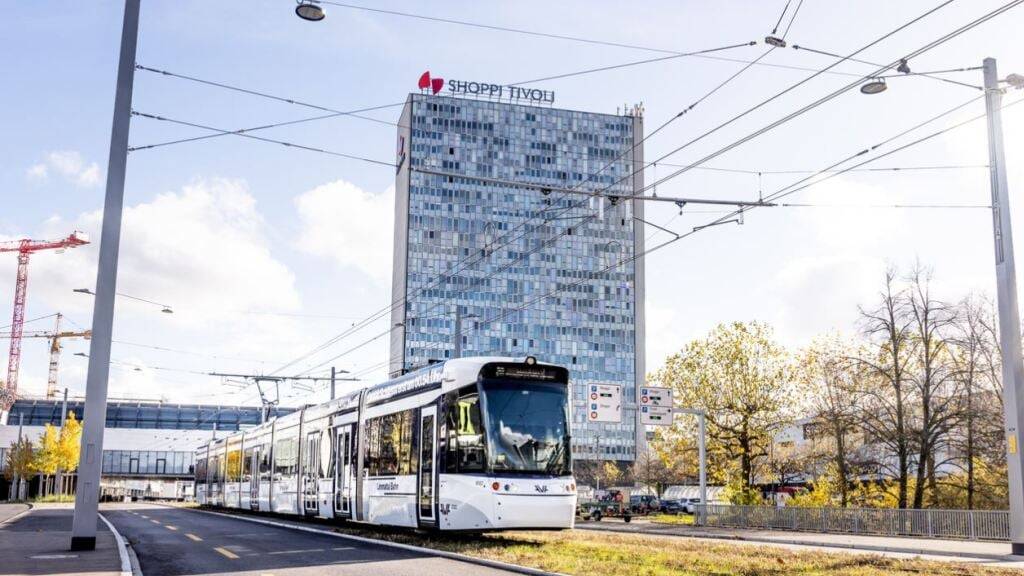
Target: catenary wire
(570, 38)
(263, 139)
(925, 74)
(791, 19)
(333, 113)
(817, 72)
(404, 299)
(976, 22)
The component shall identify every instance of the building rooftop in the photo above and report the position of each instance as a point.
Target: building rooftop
(147, 415)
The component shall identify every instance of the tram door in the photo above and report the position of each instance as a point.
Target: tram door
(254, 479)
(311, 473)
(343, 470)
(428, 440)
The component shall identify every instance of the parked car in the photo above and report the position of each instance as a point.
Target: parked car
(675, 506)
(644, 504)
(690, 505)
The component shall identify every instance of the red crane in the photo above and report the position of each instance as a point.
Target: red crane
(24, 248)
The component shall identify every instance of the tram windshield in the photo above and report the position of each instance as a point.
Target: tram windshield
(527, 427)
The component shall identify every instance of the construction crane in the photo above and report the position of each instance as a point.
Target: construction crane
(55, 338)
(24, 248)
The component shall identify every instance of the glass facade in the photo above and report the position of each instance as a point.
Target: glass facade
(486, 199)
(147, 463)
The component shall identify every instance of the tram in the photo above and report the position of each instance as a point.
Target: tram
(467, 444)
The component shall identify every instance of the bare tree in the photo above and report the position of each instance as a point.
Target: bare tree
(886, 401)
(830, 376)
(937, 392)
(976, 359)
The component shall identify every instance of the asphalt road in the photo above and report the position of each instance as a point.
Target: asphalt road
(175, 542)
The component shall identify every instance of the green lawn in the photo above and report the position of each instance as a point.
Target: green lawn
(586, 553)
(592, 553)
(678, 519)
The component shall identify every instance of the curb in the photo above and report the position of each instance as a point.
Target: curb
(122, 548)
(794, 542)
(19, 514)
(407, 547)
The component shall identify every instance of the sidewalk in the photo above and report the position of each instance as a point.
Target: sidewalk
(38, 543)
(999, 552)
(8, 511)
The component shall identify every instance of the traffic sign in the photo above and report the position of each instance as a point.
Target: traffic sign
(656, 415)
(604, 403)
(655, 396)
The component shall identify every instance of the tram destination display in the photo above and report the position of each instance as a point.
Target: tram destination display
(604, 403)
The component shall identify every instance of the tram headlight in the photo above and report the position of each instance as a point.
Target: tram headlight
(570, 487)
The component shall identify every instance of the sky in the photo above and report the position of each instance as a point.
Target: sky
(265, 251)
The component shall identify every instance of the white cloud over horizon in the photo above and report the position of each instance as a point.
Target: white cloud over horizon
(203, 250)
(350, 226)
(68, 164)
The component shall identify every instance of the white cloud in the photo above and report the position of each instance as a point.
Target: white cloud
(351, 226)
(70, 165)
(37, 173)
(205, 251)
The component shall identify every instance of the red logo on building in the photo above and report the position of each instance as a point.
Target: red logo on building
(434, 84)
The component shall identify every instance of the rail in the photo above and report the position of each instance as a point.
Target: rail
(949, 524)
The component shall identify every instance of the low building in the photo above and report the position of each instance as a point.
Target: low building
(148, 447)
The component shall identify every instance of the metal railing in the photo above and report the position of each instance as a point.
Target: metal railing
(950, 524)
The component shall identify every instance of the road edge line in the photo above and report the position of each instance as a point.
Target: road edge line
(407, 547)
(122, 549)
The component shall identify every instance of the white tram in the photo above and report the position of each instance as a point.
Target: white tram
(467, 444)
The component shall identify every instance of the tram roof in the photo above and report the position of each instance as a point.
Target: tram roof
(451, 374)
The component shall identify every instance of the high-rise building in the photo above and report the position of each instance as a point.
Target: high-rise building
(499, 250)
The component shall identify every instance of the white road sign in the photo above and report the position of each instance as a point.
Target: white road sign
(604, 403)
(656, 415)
(655, 396)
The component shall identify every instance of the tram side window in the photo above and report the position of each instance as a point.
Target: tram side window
(389, 444)
(247, 465)
(372, 457)
(215, 464)
(265, 460)
(465, 444)
(286, 459)
(200, 471)
(234, 466)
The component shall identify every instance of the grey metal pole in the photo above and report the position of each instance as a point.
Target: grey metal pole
(703, 456)
(1009, 314)
(334, 374)
(83, 530)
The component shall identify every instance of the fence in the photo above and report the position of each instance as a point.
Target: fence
(951, 524)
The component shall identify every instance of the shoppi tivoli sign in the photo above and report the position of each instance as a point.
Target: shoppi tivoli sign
(486, 90)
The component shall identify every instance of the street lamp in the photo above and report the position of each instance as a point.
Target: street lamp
(164, 307)
(310, 10)
(873, 86)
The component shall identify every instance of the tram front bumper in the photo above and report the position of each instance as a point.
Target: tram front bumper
(529, 511)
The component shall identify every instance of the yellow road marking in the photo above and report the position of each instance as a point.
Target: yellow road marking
(169, 527)
(193, 537)
(227, 553)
